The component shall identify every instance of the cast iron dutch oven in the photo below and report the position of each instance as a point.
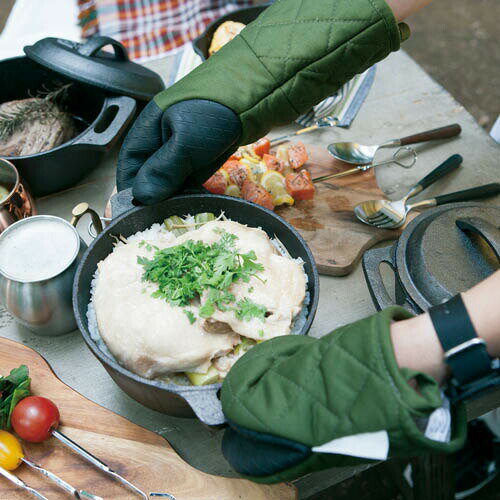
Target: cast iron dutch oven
(169, 398)
(441, 253)
(102, 98)
(202, 43)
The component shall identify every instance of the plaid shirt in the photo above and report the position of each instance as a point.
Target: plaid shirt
(150, 28)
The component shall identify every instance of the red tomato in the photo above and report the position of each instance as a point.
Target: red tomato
(297, 155)
(272, 163)
(300, 185)
(235, 156)
(34, 418)
(251, 191)
(216, 184)
(262, 147)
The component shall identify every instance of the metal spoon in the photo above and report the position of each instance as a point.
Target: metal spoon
(392, 216)
(363, 168)
(352, 152)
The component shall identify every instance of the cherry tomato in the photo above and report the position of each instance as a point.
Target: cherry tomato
(11, 452)
(34, 418)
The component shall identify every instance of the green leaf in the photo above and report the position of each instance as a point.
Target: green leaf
(190, 315)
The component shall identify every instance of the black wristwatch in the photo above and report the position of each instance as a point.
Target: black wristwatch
(473, 369)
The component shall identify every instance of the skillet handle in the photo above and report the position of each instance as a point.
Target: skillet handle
(102, 134)
(372, 259)
(206, 405)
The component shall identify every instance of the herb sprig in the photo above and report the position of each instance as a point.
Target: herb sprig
(195, 270)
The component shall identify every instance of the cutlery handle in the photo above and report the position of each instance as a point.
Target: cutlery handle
(470, 194)
(452, 163)
(430, 135)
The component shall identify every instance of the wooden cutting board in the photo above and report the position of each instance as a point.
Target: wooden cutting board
(143, 457)
(336, 238)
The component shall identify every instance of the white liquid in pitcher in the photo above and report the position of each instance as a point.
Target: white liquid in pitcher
(37, 249)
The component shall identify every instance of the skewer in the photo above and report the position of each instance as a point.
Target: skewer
(19, 482)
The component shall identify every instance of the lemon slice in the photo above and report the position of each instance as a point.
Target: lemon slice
(233, 190)
(283, 199)
(274, 182)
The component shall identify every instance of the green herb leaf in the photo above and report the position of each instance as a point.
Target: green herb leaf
(194, 269)
(247, 310)
(190, 315)
(13, 388)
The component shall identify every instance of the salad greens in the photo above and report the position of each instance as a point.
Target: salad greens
(13, 388)
(195, 270)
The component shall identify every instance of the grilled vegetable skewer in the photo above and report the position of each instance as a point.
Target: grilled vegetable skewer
(36, 419)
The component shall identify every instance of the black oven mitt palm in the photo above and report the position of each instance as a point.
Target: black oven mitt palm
(294, 55)
(290, 399)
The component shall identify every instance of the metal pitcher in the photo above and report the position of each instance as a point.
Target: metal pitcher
(38, 294)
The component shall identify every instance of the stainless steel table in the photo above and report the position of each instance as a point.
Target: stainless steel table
(404, 99)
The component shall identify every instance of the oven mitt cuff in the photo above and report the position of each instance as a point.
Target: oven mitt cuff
(294, 55)
(293, 393)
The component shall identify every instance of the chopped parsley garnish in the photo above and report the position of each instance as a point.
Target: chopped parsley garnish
(194, 269)
(250, 290)
(261, 333)
(190, 315)
(247, 310)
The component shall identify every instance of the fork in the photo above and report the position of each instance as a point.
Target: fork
(393, 219)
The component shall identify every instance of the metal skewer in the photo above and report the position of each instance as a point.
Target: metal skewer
(327, 121)
(96, 462)
(363, 168)
(21, 483)
(60, 482)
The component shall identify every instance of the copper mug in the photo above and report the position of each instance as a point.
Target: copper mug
(18, 204)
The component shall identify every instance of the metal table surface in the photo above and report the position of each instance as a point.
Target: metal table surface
(404, 99)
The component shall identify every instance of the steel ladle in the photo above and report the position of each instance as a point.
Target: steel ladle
(360, 154)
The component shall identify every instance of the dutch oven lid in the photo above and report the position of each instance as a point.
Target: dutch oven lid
(87, 63)
(447, 250)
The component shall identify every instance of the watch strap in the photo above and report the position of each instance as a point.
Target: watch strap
(464, 352)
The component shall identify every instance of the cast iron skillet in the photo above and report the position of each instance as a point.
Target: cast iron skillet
(202, 43)
(170, 398)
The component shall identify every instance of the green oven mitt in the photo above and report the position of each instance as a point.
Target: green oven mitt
(289, 400)
(294, 55)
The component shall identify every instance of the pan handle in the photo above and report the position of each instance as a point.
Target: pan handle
(206, 405)
(486, 230)
(372, 259)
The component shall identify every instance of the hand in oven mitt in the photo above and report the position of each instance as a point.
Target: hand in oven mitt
(294, 55)
(289, 400)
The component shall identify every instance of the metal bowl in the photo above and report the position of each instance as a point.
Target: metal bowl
(170, 398)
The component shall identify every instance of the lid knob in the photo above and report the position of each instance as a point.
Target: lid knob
(96, 43)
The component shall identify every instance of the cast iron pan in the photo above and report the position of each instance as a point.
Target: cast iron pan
(170, 398)
(442, 252)
(202, 43)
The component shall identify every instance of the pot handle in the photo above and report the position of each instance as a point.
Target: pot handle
(96, 43)
(103, 132)
(95, 227)
(206, 406)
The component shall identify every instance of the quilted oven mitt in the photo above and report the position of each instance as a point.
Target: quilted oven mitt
(294, 55)
(292, 394)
